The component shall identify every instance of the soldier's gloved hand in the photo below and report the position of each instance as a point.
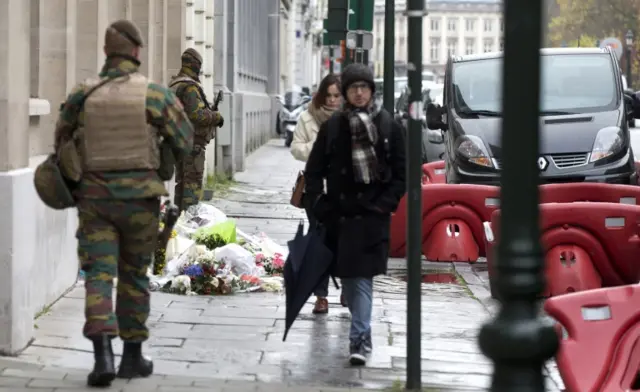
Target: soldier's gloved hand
(219, 120)
(196, 150)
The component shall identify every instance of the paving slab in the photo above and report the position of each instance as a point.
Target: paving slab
(234, 343)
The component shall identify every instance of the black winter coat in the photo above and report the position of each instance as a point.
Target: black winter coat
(356, 216)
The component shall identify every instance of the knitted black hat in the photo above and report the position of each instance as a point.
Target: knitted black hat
(356, 72)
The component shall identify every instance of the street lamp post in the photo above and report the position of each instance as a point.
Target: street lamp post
(629, 38)
(516, 340)
(415, 15)
(389, 54)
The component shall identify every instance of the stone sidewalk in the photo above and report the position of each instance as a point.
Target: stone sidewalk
(234, 343)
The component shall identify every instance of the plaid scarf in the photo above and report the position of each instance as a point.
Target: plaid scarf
(364, 136)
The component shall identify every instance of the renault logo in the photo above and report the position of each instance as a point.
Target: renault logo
(542, 163)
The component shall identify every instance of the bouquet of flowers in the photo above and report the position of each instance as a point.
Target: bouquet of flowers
(204, 275)
(272, 265)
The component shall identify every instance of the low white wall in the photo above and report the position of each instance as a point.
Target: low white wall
(38, 257)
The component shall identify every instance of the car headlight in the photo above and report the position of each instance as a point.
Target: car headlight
(608, 142)
(473, 149)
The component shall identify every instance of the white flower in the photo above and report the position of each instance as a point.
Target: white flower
(215, 282)
(181, 283)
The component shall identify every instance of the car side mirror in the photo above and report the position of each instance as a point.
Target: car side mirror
(434, 117)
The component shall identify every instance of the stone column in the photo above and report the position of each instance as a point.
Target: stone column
(224, 78)
(16, 260)
(273, 60)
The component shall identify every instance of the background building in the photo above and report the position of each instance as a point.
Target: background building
(46, 47)
(452, 27)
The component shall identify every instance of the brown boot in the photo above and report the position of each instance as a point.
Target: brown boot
(322, 306)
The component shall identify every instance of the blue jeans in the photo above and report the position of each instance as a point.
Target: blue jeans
(358, 293)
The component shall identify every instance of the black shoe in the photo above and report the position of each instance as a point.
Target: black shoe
(358, 353)
(134, 364)
(104, 371)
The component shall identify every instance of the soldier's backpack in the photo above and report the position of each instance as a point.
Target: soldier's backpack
(54, 188)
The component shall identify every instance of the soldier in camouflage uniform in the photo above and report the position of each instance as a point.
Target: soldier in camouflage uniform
(117, 126)
(190, 171)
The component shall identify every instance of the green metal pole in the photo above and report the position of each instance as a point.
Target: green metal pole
(517, 340)
(389, 54)
(629, 60)
(331, 59)
(415, 14)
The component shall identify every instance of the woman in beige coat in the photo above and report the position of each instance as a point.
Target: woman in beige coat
(325, 102)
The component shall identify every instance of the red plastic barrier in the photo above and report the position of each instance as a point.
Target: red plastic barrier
(452, 220)
(458, 243)
(466, 206)
(605, 233)
(601, 349)
(589, 191)
(569, 269)
(433, 173)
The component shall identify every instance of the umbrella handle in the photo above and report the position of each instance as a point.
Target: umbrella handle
(335, 282)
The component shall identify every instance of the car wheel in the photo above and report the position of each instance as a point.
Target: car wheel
(289, 139)
(278, 129)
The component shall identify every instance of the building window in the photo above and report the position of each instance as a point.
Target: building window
(470, 24)
(379, 49)
(451, 24)
(435, 24)
(469, 47)
(488, 45)
(452, 46)
(403, 49)
(501, 45)
(435, 50)
(501, 25)
(488, 25)
(379, 29)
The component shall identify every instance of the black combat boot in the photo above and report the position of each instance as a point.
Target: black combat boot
(104, 370)
(134, 364)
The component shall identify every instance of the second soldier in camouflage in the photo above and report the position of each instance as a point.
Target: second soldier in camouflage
(190, 170)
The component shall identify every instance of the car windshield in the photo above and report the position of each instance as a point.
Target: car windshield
(571, 83)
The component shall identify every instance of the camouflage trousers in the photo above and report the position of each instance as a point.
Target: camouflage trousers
(117, 238)
(189, 176)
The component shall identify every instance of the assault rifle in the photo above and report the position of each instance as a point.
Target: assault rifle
(171, 215)
(217, 101)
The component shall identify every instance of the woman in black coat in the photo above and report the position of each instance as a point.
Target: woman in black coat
(360, 152)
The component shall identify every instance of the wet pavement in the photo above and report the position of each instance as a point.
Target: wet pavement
(234, 343)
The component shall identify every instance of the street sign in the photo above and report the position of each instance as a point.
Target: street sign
(361, 14)
(367, 40)
(614, 44)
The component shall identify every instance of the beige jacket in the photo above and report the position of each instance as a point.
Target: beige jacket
(304, 136)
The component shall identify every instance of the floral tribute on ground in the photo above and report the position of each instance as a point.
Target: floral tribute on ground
(209, 256)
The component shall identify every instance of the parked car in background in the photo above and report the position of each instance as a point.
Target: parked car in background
(584, 118)
(625, 87)
(432, 140)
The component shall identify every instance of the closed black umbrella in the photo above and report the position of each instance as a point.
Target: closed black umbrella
(308, 264)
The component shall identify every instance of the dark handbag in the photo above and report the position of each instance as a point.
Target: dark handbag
(298, 191)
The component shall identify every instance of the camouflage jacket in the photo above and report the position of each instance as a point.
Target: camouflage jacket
(203, 118)
(163, 111)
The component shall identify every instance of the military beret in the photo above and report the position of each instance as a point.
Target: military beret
(192, 53)
(129, 30)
